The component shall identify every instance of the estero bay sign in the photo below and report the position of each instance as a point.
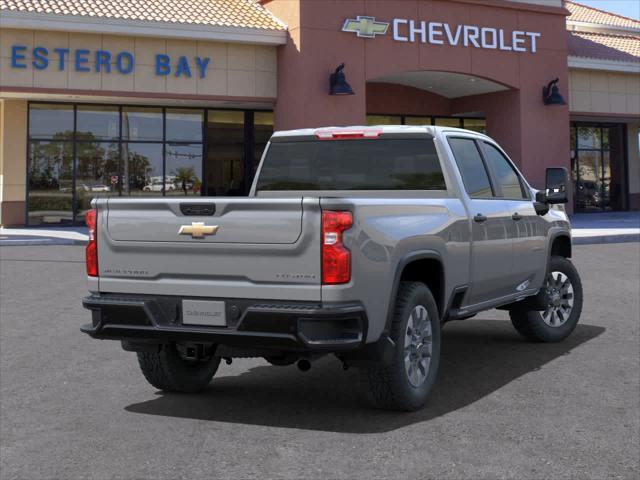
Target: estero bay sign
(439, 33)
(98, 61)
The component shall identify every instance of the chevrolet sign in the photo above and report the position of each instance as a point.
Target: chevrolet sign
(437, 33)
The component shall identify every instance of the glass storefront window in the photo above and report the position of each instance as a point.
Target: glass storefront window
(51, 121)
(448, 122)
(184, 125)
(589, 137)
(476, 124)
(78, 152)
(184, 169)
(50, 173)
(142, 169)
(225, 158)
(384, 120)
(97, 123)
(97, 173)
(598, 167)
(142, 124)
(263, 129)
(421, 121)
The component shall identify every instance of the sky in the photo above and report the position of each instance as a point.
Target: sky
(628, 8)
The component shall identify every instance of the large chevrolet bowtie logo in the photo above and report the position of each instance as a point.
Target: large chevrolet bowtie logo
(365, 27)
(198, 230)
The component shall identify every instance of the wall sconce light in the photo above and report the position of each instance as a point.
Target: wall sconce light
(338, 83)
(551, 94)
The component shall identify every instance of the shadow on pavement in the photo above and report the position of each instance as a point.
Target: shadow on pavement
(478, 358)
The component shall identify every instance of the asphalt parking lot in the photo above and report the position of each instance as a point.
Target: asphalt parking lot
(72, 407)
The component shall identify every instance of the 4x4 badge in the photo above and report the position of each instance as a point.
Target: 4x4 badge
(198, 230)
(365, 27)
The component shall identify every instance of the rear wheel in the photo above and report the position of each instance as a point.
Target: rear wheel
(564, 306)
(406, 382)
(169, 369)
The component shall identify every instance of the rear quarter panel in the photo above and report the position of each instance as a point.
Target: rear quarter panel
(388, 230)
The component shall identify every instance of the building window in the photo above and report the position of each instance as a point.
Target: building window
(78, 152)
(598, 166)
(475, 124)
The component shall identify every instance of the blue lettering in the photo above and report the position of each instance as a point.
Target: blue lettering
(202, 64)
(62, 52)
(125, 62)
(17, 56)
(40, 60)
(163, 64)
(103, 60)
(82, 57)
(183, 67)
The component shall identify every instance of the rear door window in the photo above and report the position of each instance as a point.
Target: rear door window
(472, 168)
(362, 164)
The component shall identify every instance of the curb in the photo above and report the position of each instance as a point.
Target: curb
(629, 238)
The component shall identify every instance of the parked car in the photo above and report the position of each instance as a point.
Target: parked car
(97, 187)
(359, 242)
(156, 186)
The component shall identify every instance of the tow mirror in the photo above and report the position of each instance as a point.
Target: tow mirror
(556, 186)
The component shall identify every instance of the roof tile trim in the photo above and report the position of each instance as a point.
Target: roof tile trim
(586, 14)
(622, 48)
(223, 13)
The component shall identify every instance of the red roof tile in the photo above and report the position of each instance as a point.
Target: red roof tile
(582, 13)
(624, 48)
(225, 13)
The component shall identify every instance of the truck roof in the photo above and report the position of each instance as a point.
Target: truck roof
(381, 129)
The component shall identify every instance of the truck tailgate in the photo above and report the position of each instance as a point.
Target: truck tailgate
(250, 248)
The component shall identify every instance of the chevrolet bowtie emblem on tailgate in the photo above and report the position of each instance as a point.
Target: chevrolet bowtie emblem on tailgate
(198, 230)
(365, 27)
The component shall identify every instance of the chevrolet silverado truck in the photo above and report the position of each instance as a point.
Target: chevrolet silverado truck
(359, 242)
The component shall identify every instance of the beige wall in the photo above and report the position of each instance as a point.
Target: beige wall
(13, 161)
(592, 91)
(236, 70)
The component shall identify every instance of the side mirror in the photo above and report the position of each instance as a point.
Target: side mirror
(556, 186)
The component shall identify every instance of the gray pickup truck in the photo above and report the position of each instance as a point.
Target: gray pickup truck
(359, 242)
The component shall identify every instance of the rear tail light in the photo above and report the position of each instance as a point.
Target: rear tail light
(336, 259)
(91, 219)
(345, 134)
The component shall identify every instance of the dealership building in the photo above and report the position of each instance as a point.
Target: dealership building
(179, 97)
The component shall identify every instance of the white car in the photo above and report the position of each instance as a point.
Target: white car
(156, 186)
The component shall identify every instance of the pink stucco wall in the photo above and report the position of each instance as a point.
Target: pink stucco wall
(534, 135)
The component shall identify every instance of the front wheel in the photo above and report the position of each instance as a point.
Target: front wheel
(564, 306)
(406, 382)
(169, 370)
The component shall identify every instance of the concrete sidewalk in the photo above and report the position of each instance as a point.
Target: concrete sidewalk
(588, 228)
(606, 227)
(43, 236)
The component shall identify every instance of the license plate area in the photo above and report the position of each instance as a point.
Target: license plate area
(204, 312)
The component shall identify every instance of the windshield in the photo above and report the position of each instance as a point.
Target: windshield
(363, 164)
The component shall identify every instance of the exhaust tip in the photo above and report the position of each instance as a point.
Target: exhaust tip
(304, 365)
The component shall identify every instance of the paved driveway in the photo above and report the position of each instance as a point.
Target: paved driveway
(72, 407)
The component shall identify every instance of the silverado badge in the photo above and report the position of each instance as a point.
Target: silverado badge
(198, 230)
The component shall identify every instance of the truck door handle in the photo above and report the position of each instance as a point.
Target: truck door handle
(479, 218)
(516, 216)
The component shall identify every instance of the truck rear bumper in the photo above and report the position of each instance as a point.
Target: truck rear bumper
(285, 326)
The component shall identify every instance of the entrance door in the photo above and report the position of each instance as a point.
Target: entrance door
(598, 167)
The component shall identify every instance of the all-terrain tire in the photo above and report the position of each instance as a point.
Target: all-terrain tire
(167, 370)
(531, 324)
(390, 386)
